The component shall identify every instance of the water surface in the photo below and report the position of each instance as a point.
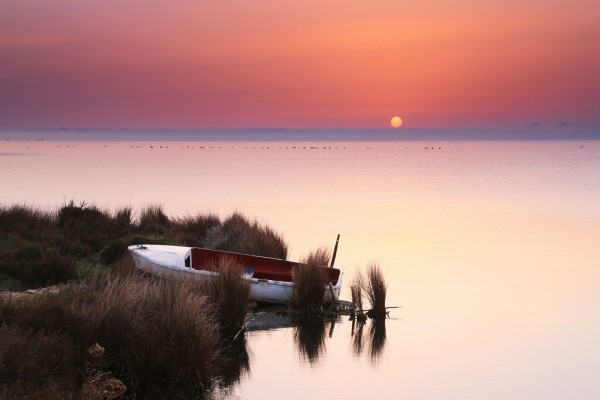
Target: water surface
(492, 249)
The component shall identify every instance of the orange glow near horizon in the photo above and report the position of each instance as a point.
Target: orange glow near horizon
(314, 64)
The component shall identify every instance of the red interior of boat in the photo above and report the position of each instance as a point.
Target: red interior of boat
(264, 267)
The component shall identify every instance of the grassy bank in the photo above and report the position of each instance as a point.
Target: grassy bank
(107, 328)
(158, 339)
(41, 248)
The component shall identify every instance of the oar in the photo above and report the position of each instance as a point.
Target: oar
(335, 251)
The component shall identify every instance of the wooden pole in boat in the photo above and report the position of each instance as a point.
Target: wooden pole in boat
(337, 241)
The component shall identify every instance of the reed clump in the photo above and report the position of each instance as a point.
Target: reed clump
(229, 294)
(309, 281)
(85, 229)
(154, 220)
(160, 336)
(238, 234)
(375, 289)
(356, 293)
(372, 285)
(194, 228)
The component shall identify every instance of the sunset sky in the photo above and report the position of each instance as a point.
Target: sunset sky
(302, 64)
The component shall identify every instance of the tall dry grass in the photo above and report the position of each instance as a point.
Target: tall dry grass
(163, 339)
(309, 287)
(160, 336)
(229, 294)
(375, 289)
(371, 285)
(358, 282)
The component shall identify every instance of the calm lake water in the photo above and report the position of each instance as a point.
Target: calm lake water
(491, 249)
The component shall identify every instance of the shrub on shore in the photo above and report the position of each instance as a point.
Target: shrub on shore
(25, 221)
(42, 345)
(35, 265)
(195, 228)
(240, 235)
(153, 220)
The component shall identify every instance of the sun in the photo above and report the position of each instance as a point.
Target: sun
(396, 122)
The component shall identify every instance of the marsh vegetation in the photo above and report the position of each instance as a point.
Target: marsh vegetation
(107, 329)
(41, 248)
(158, 338)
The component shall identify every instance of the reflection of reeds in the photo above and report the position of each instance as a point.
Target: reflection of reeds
(309, 334)
(357, 341)
(375, 290)
(309, 285)
(378, 337)
(235, 362)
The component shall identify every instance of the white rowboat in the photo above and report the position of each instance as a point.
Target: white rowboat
(271, 279)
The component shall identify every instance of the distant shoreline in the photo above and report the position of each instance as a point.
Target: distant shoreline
(508, 133)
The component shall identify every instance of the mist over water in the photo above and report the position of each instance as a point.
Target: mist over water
(491, 249)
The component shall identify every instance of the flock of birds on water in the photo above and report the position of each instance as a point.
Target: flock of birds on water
(246, 147)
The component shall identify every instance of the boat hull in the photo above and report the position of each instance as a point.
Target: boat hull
(170, 262)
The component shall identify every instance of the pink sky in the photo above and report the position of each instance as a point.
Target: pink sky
(309, 64)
